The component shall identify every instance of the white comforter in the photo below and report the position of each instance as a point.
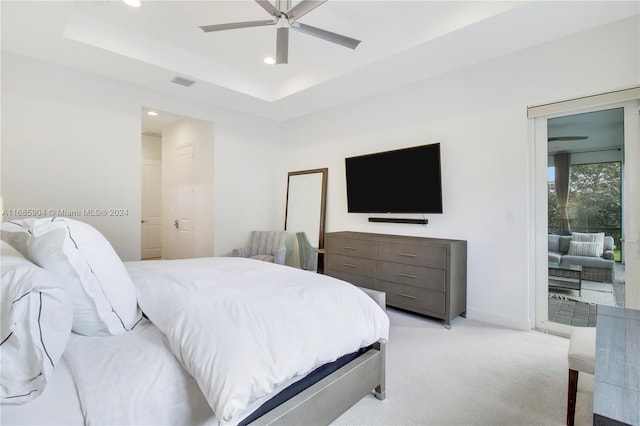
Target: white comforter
(240, 327)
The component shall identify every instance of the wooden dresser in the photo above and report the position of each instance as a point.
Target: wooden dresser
(422, 275)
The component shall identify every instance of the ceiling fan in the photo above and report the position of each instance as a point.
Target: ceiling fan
(286, 17)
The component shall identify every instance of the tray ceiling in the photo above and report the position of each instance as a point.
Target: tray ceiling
(402, 42)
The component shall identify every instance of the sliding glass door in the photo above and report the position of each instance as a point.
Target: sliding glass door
(585, 186)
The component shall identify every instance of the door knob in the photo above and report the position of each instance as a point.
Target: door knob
(175, 223)
(143, 221)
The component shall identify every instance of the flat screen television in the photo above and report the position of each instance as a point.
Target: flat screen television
(400, 181)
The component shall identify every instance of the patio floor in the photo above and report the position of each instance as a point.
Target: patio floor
(564, 310)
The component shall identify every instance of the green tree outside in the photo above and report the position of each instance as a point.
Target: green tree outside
(595, 200)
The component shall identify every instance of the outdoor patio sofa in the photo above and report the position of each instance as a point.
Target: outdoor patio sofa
(597, 265)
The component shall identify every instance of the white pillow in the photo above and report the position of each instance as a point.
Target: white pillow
(580, 248)
(16, 234)
(35, 325)
(104, 299)
(595, 237)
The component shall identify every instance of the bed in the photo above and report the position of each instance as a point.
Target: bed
(222, 340)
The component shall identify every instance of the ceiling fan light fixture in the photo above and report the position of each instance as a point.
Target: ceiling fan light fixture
(282, 21)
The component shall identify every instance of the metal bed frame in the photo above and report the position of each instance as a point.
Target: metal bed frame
(330, 397)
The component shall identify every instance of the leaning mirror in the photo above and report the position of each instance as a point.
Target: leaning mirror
(305, 216)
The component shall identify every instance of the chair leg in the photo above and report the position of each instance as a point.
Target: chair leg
(571, 398)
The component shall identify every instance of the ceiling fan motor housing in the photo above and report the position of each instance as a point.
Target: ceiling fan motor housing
(285, 17)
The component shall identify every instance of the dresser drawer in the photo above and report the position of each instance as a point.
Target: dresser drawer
(414, 298)
(352, 247)
(352, 265)
(432, 279)
(358, 280)
(430, 256)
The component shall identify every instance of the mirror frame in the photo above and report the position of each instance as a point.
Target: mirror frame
(323, 203)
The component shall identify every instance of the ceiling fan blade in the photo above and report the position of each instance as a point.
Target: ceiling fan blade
(349, 42)
(568, 138)
(270, 8)
(234, 25)
(302, 8)
(282, 46)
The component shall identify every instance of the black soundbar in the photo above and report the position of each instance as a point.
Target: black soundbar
(399, 220)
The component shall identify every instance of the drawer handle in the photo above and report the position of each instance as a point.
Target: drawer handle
(407, 254)
(408, 296)
(350, 265)
(350, 248)
(406, 275)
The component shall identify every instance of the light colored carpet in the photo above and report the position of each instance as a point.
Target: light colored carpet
(473, 374)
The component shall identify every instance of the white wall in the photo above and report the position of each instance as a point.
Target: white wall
(479, 115)
(71, 140)
(151, 148)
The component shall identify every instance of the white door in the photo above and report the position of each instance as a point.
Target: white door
(631, 210)
(151, 246)
(185, 202)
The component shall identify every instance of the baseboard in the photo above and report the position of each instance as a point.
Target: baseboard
(493, 318)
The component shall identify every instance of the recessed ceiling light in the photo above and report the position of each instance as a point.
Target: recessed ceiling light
(132, 3)
(153, 113)
(269, 60)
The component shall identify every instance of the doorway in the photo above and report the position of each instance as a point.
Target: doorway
(630, 220)
(181, 155)
(586, 157)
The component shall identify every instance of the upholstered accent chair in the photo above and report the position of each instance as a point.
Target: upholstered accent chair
(269, 246)
(308, 253)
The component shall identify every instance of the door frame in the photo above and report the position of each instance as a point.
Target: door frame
(629, 100)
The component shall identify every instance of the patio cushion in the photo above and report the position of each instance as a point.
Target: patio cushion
(577, 248)
(608, 243)
(564, 243)
(595, 237)
(590, 262)
(555, 257)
